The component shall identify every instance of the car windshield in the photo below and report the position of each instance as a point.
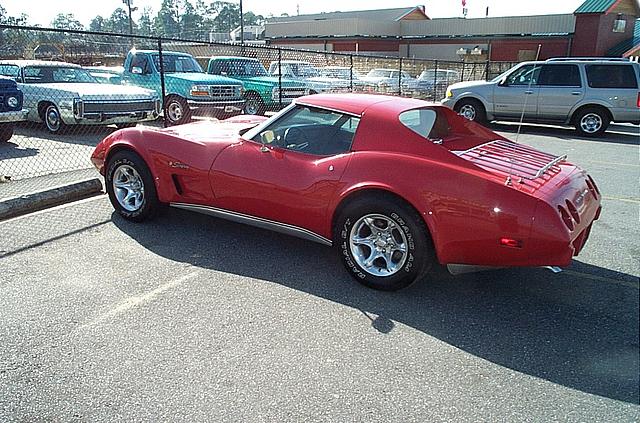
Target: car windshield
(342, 73)
(10, 71)
(246, 68)
(433, 74)
(380, 73)
(173, 63)
(56, 74)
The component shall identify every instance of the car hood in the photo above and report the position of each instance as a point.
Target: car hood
(202, 78)
(97, 91)
(273, 81)
(469, 84)
(214, 132)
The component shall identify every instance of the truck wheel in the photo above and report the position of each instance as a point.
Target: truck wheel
(53, 120)
(176, 111)
(254, 104)
(6, 132)
(383, 243)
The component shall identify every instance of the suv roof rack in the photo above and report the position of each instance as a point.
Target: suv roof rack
(589, 59)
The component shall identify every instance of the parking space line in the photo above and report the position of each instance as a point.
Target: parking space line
(137, 300)
(602, 279)
(614, 164)
(626, 200)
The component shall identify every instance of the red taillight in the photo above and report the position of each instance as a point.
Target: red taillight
(638, 104)
(574, 212)
(566, 217)
(592, 189)
(593, 183)
(510, 242)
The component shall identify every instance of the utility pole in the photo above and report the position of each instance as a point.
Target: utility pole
(241, 25)
(131, 9)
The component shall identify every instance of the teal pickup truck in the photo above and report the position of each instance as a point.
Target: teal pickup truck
(262, 92)
(187, 87)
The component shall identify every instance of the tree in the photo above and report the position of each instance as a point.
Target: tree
(118, 22)
(67, 21)
(97, 24)
(145, 23)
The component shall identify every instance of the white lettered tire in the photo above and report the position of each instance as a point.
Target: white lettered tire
(383, 243)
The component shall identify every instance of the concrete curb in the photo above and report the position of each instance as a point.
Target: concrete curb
(28, 203)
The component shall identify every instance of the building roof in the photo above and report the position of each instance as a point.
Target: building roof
(595, 6)
(394, 14)
(628, 45)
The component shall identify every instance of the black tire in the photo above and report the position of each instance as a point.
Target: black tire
(176, 110)
(591, 121)
(410, 267)
(471, 109)
(126, 125)
(254, 104)
(149, 205)
(6, 131)
(53, 120)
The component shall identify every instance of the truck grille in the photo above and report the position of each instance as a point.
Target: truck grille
(119, 106)
(224, 92)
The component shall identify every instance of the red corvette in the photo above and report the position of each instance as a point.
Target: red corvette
(395, 184)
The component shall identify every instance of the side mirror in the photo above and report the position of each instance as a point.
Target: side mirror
(503, 82)
(267, 137)
(136, 70)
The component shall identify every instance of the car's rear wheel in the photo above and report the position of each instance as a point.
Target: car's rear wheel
(53, 120)
(6, 131)
(130, 186)
(383, 243)
(254, 105)
(471, 109)
(176, 110)
(592, 121)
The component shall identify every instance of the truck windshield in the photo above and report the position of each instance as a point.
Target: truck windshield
(173, 63)
(56, 74)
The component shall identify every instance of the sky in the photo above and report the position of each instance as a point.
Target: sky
(42, 12)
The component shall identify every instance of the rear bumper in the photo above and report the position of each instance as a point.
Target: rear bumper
(14, 116)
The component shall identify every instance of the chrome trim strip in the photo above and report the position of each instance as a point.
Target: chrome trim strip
(328, 109)
(255, 221)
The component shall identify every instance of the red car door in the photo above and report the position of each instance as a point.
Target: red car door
(277, 184)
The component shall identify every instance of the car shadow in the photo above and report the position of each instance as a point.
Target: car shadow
(12, 150)
(628, 135)
(578, 328)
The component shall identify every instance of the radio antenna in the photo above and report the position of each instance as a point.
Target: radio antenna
(524, 108)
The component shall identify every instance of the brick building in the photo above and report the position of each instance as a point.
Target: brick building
(596, 28)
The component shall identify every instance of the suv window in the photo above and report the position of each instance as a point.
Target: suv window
(560, 76)
(611, 76)
(525, 75)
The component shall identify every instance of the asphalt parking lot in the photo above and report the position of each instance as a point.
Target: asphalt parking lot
(191, 318)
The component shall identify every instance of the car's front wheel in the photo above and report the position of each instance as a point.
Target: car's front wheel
(471, 109)
(130, 186)
(176, 111)
(53, 120)
(383, 243)
(6, 131)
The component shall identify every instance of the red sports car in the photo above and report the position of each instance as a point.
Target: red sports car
(396, 184)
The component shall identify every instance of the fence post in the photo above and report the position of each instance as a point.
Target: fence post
(486, 71)
(400, 78)
(164, 92)
(435, 81)
(463, 68)
(351, 73)
(280, 77)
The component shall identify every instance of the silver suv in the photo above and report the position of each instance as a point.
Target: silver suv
(587, 93)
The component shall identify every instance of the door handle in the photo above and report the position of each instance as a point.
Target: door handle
(576, 93)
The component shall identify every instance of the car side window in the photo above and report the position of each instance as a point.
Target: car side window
(524, 75)
(425, 122)
(311, 130)
(11, 71)
(140, 61)
(560, 76)
(611, 76)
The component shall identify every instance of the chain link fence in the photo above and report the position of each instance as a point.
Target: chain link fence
(79, 87)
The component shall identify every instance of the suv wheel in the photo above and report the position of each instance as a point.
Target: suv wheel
(471, 109)
(592, 121)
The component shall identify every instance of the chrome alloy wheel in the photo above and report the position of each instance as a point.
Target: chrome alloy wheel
(128, 188)
(175, 112)
(591, 123)
(378, 245)
(468, 111)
